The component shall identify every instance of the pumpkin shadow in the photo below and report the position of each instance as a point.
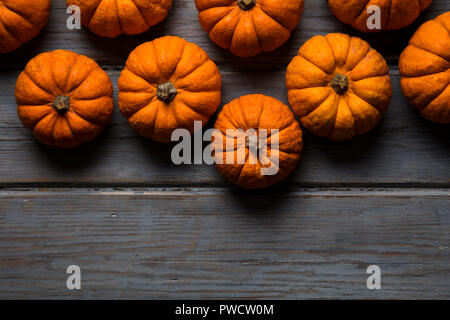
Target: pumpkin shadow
(17, 59)
(350, 152)
(73, 162)
(436, 132)
(389, 43)
(124, 44)
(160, 153)
(265, 202)
(439, 132)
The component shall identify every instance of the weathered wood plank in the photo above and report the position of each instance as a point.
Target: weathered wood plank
(403, 149)
(223, 243)
(151, 243)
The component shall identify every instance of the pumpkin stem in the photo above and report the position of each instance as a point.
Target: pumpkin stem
(61, 104)
(246, 4)
(166, 92)
(340, 83)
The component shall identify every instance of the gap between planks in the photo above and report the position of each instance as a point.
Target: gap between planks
(161, 192)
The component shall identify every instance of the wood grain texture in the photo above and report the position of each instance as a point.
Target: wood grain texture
(191, 234)
(403, 149)
(159, 243)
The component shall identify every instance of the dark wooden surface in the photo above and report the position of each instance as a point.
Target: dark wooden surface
(140, 227)
(218, 243)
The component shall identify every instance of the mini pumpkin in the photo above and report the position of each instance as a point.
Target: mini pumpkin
(249, 27)
(259, 156)
(64, 98)
(168, 84)
(21, 21)
(338, 86)
(110, 19)
(393, 14)
(425, 69)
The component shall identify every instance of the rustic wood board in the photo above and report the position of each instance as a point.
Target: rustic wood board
(403, 149)
(216, 243)
(141, 227)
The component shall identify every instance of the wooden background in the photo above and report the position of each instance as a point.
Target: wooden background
(140, 227)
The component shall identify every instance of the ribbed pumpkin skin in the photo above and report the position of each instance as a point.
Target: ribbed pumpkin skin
(321, 109)
(257, 112)
(64, 73)
(111, 18)
(187, 68)
(263, 28)
(21, 21)
(394, 14)
(425, 70)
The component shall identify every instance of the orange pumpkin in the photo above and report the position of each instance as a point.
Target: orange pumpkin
(168, 84)
(393, 14)
(249, 27)
(21, 21)
(425, 69)
(255, 147)
(64, 98)
(110, 19)
(338, 86)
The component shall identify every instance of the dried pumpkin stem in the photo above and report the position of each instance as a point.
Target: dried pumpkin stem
(166, 92)
(61, 104)
(340, 83)
(246, 4)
